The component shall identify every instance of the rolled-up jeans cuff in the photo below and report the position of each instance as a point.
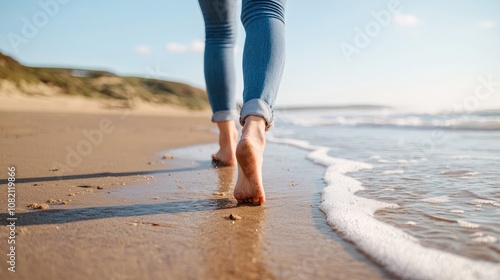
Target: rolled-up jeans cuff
(257, 107)
(227, 115)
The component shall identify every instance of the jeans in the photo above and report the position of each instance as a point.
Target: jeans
(263, 56)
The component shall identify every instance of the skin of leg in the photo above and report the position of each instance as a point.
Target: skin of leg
(250, 154)
(228, 137)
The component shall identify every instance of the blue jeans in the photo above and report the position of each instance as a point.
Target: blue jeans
(263, 56)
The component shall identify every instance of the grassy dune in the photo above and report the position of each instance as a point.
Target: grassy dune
(98, 84)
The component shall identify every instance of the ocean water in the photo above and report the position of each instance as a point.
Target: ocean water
(418, 193)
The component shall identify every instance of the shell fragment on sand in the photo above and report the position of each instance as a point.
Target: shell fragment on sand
(234, 217)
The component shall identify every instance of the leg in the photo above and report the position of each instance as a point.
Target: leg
(263, 62)
(228, 135)
(220, 35)
(263, 56)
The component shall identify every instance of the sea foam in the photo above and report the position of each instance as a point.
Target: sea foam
(383, 119)
(396, 171)
(436, 199)
(353, 217)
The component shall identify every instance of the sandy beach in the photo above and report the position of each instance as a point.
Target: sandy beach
(370, 139)
(118, 209)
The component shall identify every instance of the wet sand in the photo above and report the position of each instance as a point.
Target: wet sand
(155, 218)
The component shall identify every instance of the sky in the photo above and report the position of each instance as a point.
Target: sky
(419, 54)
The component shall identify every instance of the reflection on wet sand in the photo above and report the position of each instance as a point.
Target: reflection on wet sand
(235, 248)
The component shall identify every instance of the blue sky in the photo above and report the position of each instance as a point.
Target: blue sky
(419, 54)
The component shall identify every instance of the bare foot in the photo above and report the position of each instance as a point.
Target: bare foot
(227, 142)
(250, 153)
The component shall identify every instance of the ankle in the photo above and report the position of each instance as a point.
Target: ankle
(255, 120)
(228, 138)
(227, 132)
(255, 128)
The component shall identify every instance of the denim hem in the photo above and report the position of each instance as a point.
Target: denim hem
(257, 107)
(227, 115)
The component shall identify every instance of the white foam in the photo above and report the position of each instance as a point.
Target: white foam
(457, 211)
(480, 237)
(397, 171)
(398, 161)
(399, 252)
(377, 119)
(485, 239)
(461, 157)
(436, 199)
(486, 201)
(411, 223)
(465, 224)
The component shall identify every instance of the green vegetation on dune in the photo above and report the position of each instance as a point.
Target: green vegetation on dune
(101, 84)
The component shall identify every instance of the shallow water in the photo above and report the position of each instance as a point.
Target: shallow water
(444, 178)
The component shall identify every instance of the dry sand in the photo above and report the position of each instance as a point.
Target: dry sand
(154, 218)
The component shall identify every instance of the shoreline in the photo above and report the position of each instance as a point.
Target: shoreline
(152, 217)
